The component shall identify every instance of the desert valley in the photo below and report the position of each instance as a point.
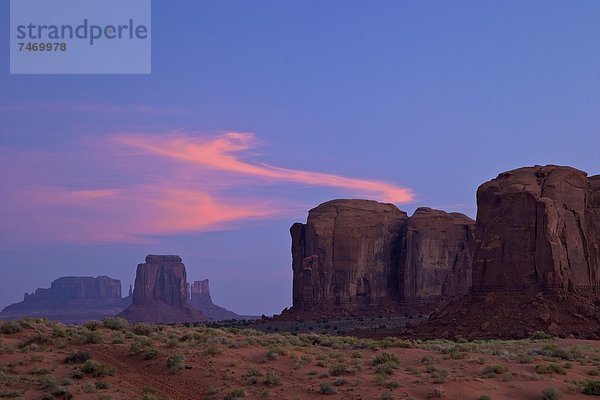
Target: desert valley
(385, 306)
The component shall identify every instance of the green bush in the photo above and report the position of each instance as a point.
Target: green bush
(551, 394)
(339, 369)
(385, 358)
(115, 323)
(97, 369)
(272, 379)
(102, 385)
(235, 394)
(78, 357)
(592, 388)
(327, 389)
(492, 370)
(10, 327)
(175, 363)
(92, 325)
(550, 369)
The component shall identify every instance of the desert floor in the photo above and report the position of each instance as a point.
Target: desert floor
(114, 360)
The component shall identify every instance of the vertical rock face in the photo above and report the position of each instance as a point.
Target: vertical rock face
(160, 293)
(357, 254)
(536, 229)
(200, 299)
(537, 260)
(437, 259)
(347, 254)
(595, 243)
(71, 299)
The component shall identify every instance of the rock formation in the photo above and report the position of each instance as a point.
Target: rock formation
(200, 299)
(535, 230)
(536, 262)
(347, 254)
(71, 300)
(360, 255)
(438, 254)
(160, 293)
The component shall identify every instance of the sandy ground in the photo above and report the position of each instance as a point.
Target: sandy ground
(208, 363)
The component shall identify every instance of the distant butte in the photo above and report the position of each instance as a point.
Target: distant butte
(160, 293)
(71, 299)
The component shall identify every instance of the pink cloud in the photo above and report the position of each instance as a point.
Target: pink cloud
(223, 153)
(133, 187)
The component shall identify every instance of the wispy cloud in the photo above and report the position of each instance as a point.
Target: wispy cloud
(224, 153)
(133, 187)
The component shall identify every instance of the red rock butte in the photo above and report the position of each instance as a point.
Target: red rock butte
(361, 256)
(536, 263)
(160, 293)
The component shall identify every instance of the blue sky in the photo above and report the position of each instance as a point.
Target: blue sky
(435, 97)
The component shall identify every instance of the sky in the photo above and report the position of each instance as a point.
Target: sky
(257, 111)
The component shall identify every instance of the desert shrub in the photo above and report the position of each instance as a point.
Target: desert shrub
(524, 358)
(117, 338)
(552, 350)
(592, 388)
(385, 358)
(386, 368)
(213, 350)
(440, 377)
(39, 371)
(89, 388)
(272, 379)
(77, 374)
(143, 329)
(339, 369)
(102, 385)
(484, 397)
(272, 355)
(435, 394)
(10, 327)
(550, 369)
(77, 357)
(59, 331)
(92, 325)
(149, 353)
(387, 396)
(175, 363)
(115, 323)
(541, 335)
(551, 394)
(427, 360)
(61, 393)
(327, 389)
(38, 340)
(90, 336)
(491, 371)
(49, 383)
(97, 369)
(235, 394)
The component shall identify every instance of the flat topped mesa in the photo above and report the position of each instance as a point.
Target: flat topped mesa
(71, 299)
(160, 293)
